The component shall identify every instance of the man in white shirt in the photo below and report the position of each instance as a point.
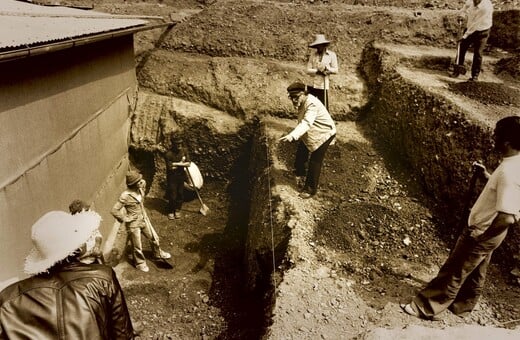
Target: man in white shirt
(321, 64)
(479, 15)
(460, 281)
(314, 133)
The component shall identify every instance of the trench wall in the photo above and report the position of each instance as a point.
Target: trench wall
(437, 139)
(268, 234)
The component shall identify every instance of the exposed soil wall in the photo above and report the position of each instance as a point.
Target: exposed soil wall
(268, 233)
(436, 137)
(505, 32)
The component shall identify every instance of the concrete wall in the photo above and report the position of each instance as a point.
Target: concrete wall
(64, 122)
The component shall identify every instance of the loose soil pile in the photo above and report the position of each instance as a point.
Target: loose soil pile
(488, 93)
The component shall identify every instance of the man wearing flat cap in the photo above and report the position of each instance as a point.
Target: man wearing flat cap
(321, 64)
(314, 133)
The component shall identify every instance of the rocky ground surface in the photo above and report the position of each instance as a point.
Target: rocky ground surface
(366, 243)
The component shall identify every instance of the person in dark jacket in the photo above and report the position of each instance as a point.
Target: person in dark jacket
(177, 160)
(64, 298)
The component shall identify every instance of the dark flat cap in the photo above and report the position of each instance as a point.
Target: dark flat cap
(296, 87)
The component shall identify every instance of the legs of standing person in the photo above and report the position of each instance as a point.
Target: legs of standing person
(152, 236)
(134, 234)
(479, 43)
(178, 199)
(461, 277)
(301, 159)
(462, 48)
(315, 164)
(170, 187)
(471, 289)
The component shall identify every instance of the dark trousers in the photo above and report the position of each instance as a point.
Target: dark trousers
(478, 40)
(460, 281)
(314, 162)
(175, 193)
(321, 94)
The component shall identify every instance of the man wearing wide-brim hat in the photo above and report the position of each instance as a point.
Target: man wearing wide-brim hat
(64, 298)
(321, 64)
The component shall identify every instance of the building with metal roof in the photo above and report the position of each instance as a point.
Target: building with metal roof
(67, 91)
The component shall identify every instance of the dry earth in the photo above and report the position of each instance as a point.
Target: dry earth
(366, 243)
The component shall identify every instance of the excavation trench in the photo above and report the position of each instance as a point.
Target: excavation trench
(221, 282)
(341, 262)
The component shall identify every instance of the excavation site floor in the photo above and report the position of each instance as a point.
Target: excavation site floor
(364, 244)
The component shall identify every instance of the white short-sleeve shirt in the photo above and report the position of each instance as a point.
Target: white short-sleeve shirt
(501, 194)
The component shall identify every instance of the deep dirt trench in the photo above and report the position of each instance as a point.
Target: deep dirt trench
(356, 265)
(203, 296)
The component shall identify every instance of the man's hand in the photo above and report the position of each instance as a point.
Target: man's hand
(480, 168)
(322, 70)
(287, 138)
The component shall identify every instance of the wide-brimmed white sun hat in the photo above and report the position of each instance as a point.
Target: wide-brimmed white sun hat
(319, 40)
(56, 235)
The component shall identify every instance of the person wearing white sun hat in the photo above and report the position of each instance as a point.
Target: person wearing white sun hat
(321, 64)
(64, 298)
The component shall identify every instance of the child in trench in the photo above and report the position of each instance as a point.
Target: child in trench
(129, 209)
(177, 160)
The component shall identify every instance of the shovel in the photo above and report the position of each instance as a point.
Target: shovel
(203, 208)
(159, 261)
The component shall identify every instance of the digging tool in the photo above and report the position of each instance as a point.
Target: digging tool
(160, 261)
(203, 208)
(469, 195)
(325, 98)
(459, 69)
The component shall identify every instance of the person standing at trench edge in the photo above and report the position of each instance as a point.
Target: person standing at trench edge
(460, 281)
(321, 64)
(314, 133)
(479, 14)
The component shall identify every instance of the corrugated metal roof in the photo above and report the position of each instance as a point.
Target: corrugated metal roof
(24, 24)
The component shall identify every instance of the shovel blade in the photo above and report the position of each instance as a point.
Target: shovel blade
(204, 210)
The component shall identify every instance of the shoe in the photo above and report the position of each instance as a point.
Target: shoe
(143, 267)
(306, 195)
(408, 309)
(177, 215)
(171, 216)
(473, 79)
(300, 181)
(163, 255)
(458, 70)
(138, 327)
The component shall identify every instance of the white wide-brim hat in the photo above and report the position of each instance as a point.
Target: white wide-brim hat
(56, 235)
(319, 40)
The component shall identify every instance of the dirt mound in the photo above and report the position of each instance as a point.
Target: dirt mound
(509, 66)
(488, 93)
